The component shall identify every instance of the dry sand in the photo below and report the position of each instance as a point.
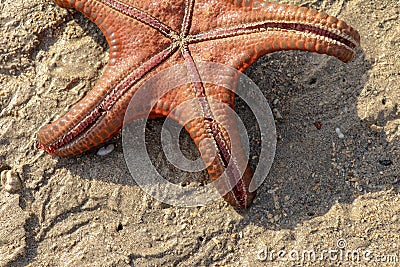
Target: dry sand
(322, 193)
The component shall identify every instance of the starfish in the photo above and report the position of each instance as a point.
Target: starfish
(148, 36)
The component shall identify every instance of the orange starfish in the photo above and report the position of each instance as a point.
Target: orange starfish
(148, 36)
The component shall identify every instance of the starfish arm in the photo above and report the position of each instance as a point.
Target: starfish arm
(256, 28)
(211, 123)
(132, 56)
(231, 178)
(96, 118)
(166, 16)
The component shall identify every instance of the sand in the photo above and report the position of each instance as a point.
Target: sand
(337, 198)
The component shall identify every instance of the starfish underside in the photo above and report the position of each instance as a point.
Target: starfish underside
(148, 36)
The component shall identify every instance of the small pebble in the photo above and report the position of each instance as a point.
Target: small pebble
(106, 150)
(10, 180)
(385, 162)
(278, 115)
(318, 125)
(216, 241)
(339, 133)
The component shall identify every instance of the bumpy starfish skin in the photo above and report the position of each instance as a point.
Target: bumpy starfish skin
(148, 36)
